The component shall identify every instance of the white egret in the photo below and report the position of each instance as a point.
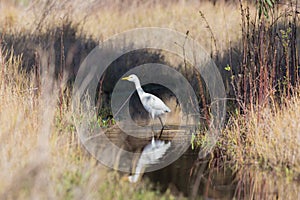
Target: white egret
(154, 105)
(150, 155)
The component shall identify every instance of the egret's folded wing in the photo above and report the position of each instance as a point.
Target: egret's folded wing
(149, 100)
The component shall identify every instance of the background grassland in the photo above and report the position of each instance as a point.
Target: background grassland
(40, 155)
(102, 20)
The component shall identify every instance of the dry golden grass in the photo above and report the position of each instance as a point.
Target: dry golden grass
(40, 155)
(265, 151)
(271, 142)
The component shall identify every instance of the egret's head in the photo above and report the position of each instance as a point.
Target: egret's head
(132, 78)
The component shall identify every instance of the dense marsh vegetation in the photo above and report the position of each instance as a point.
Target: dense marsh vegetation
(256, 47)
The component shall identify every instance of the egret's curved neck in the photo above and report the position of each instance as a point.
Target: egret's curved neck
(138, 87)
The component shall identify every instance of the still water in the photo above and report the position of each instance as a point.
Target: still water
(185, 176)
(190, 177)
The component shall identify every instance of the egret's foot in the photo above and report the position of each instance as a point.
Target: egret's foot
(166, 127)
(161, 131)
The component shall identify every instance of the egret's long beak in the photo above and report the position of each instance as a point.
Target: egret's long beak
(125, 78)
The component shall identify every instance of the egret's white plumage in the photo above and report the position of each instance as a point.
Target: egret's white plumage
(157, 148)
(151, 103)
(150, 155)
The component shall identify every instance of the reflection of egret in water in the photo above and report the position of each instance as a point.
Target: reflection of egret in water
(150, 155)
(154, 105)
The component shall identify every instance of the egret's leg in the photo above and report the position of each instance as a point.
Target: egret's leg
(162, 126)
(152, 126)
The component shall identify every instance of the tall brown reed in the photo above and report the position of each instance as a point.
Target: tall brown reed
(268, 66)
